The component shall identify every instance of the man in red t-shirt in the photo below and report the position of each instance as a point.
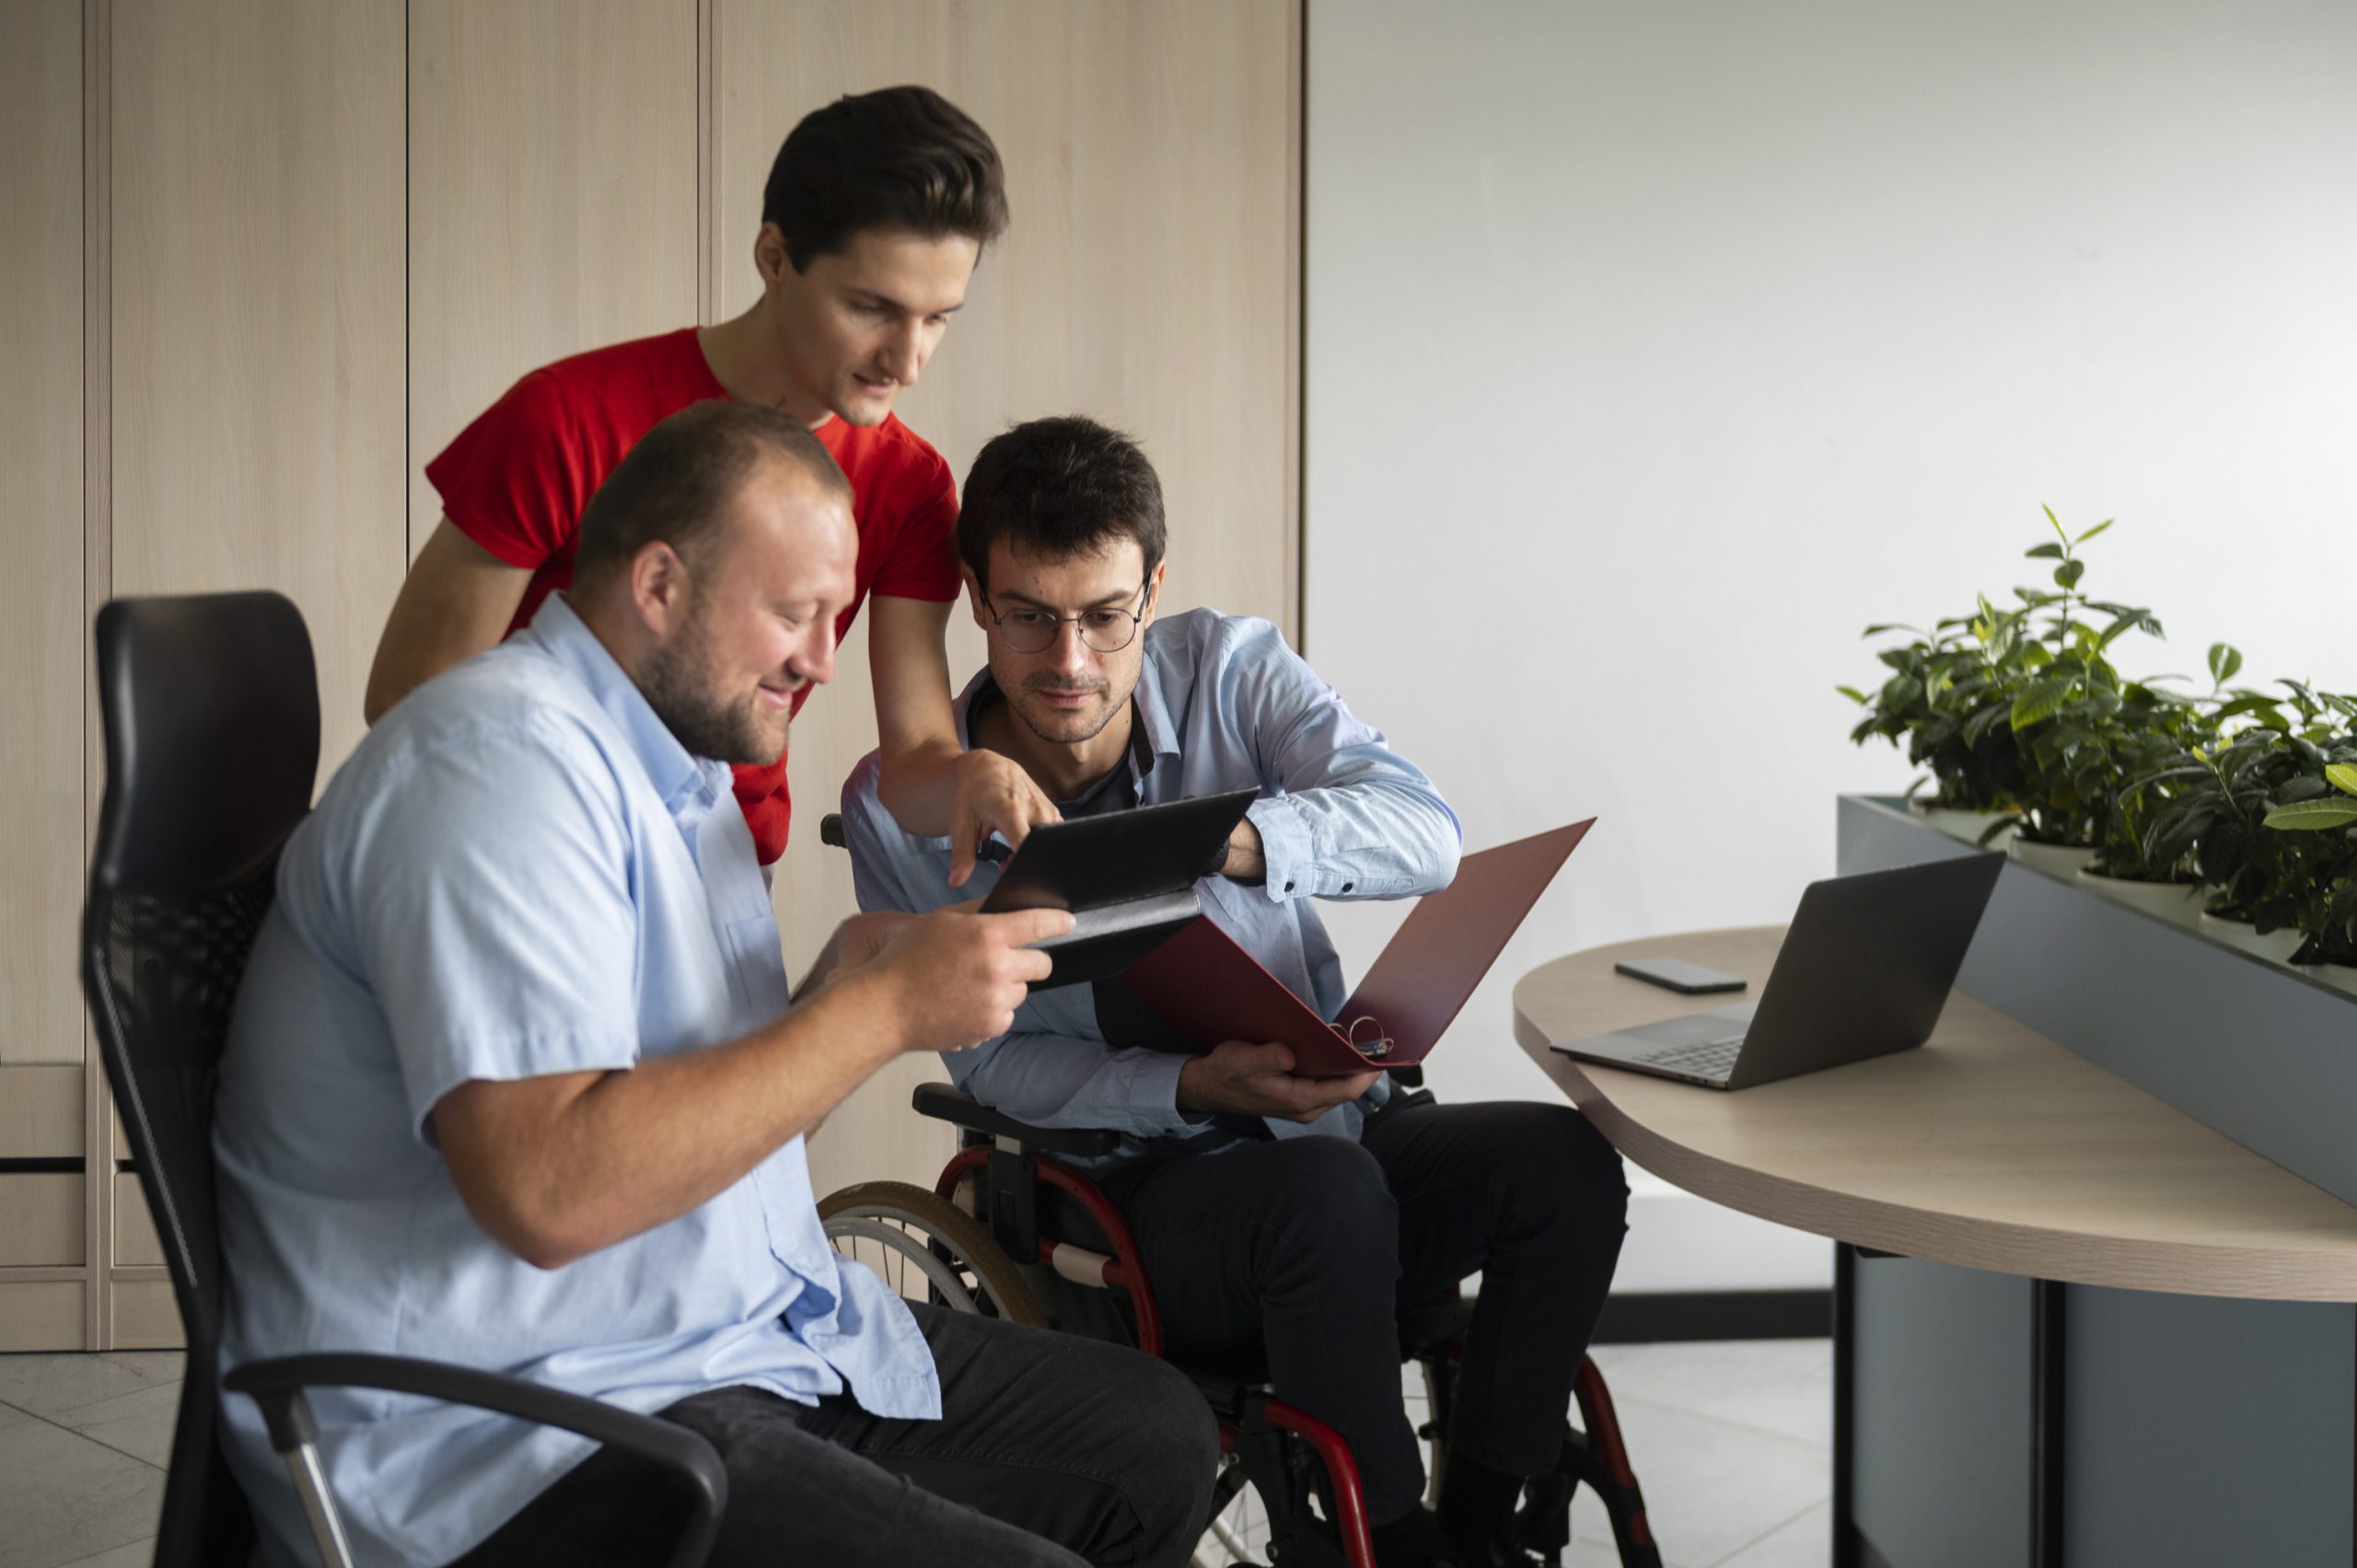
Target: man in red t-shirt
(876, 212)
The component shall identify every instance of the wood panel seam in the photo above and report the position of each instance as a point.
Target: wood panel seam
(708, 246)
(98, 584)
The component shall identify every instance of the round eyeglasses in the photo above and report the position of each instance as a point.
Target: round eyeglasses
(1036, 631)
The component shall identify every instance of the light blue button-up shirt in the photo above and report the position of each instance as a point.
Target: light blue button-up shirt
(519, 872)
(1225, 705)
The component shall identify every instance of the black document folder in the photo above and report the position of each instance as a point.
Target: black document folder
(1128, 877)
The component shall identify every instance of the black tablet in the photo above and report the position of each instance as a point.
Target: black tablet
(1128, 877)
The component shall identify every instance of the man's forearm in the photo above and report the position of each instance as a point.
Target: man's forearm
(636, 1149)
(918, 784)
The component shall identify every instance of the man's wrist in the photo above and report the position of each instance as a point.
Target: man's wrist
(1241, 859)
(869, 996)
(1188, 1097)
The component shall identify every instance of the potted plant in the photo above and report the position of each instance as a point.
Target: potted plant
(2074, 719)
(1936, 682)
(2319, 830)
(2269, 752)
(2148, 827)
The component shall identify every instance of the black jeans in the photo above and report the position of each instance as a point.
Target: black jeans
(1051, 1450)
(1305, 1249)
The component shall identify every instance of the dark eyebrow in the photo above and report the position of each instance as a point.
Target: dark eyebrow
(1106, 601)
(870, 296)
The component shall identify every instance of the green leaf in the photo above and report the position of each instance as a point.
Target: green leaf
(2095, 530)
(2343, 776)
(1980, 723)
(2254, 703)
(2041, 700)
(2066, 576)
(2044, 552)
(2313, 816)
(1879, 627)
(2225, 660)
(1854, 694)
(2057, 523)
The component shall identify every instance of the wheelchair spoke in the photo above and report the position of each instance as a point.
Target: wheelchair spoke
(902, 1249)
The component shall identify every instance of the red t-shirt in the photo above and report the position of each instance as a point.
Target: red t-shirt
(518, 480)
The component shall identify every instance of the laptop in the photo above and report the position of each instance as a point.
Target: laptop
(1865, 968)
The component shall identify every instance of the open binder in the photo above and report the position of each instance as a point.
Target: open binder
(1211, 990)
(1128, 877)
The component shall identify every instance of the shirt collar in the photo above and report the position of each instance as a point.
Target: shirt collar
(689, 785)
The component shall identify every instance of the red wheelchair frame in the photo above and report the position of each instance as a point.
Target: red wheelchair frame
(1302, 1468)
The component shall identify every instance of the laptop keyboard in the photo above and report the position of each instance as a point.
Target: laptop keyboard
(1711, 1059)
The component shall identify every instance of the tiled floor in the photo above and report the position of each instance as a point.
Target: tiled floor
(83, 1443)
(1733, 1443)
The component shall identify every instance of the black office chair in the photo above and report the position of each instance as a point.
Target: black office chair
(212, 719)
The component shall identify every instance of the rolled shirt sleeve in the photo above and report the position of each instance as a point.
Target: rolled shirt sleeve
(1353, 817)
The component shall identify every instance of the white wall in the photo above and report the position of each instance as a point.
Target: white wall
(1654, 349)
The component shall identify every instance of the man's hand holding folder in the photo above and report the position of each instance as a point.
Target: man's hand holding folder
(1244, 1079)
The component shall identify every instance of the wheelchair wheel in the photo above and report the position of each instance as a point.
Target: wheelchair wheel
(927, 1248)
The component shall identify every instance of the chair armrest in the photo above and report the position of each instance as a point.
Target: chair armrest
(277, 1387)
(945, 1104)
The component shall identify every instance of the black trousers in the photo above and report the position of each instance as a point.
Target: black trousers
(1305, 1250)
(1051, 1450)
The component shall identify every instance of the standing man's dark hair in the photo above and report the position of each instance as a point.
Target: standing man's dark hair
(677, 483)
(1056, 488)
(899, 158)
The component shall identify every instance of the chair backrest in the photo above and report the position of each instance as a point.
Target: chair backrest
(211, 712)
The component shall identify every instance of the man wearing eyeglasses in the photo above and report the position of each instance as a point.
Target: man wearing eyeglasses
(1280, 1215)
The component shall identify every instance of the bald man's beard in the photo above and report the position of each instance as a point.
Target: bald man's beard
(676, 681)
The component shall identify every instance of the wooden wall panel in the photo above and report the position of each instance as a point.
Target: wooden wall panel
(1148, 279)
(41, 593)
(40, 1219)
(553, 196)
(136, 1242)
(144, 1316)
(258, 357)
(42, 1315)
(40, 1111)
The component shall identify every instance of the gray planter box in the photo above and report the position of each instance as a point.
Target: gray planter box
(2257, 1051)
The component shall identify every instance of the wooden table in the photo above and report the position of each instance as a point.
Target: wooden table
(1992, 1149)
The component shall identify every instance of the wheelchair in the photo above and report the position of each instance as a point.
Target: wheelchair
(1011, 1231)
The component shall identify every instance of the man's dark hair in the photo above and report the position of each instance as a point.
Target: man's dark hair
(900, 159)
(677, 484)
(1057, 488)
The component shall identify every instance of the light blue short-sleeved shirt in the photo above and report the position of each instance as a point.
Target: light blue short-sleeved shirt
(519, 872)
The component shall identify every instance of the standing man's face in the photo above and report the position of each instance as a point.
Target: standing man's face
(757, 621)
(1067, 692)
(855, 328)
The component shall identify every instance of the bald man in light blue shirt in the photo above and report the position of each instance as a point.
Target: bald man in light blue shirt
(515, 1080)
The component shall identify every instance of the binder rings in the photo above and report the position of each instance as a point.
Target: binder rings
(1211, 990)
